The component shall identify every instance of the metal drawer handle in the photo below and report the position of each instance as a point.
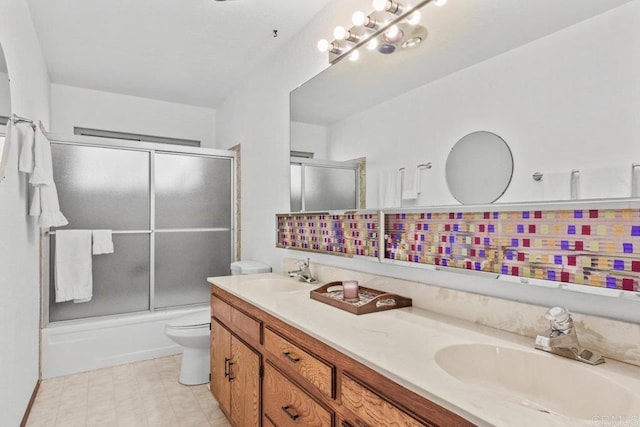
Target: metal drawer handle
(293, 414)
(288, 355)
(227, 369)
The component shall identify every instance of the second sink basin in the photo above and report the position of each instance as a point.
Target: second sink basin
(542, 382)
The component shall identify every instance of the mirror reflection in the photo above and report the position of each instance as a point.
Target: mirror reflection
(560, 87)
(5, 106)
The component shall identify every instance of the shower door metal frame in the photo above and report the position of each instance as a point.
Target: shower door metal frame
(152, 149)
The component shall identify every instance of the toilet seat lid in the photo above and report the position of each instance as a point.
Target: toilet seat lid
(191, 320)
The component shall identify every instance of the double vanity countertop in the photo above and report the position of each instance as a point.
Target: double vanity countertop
(485, 375)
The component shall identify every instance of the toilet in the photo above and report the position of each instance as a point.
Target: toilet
(192, 331)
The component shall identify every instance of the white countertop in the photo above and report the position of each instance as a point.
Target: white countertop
(402, 344)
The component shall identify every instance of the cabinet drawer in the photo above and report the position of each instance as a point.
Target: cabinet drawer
(245, 326)
(312, 369)
(370, 407)
(285, 404)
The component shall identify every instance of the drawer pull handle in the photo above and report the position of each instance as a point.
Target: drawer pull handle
(227, 369)
(291, 412)
(288, 355)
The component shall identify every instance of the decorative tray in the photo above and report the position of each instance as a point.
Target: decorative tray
(370, 301)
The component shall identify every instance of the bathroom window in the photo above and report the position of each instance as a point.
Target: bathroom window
(134, 137)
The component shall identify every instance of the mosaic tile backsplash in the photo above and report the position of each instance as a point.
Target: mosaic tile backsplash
(586, 247)
(594, 247)
(348, 234)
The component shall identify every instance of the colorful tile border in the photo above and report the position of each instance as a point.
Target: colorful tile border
(348, 234)
(594, 247)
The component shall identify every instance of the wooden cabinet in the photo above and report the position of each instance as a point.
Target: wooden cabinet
(306, 382)
(371, 408)
(318, 373)
(235, 377)
(286, 404)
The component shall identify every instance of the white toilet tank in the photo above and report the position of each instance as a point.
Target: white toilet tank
(249, 267)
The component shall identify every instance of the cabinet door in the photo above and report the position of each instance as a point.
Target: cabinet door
(220, 359)
(245, 385)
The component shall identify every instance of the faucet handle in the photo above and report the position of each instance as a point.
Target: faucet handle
(560, 318)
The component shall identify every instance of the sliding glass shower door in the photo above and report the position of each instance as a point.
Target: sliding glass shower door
(171, 216)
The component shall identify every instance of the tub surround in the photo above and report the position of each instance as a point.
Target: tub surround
(402, 344)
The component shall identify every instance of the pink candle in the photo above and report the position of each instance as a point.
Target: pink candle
(350, 290)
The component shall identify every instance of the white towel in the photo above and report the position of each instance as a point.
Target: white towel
(26, 162)
(556, 185)
(411, 183)
(4, 153)
(102, 242)
(73, 276)
(605, 182)
(44, 200)
(389, 189)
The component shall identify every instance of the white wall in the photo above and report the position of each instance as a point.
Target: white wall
(567, 101)
(310, 138)
(73, 106)
(5, 96)
(257, 116)
(19, 287)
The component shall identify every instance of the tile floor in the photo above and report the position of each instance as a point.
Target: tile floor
(145, 394)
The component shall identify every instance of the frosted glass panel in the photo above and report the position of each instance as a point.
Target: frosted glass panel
(329, 188)
(184, 260)
(120, 281)
(102, 187)
(296, 188)
(192, 191)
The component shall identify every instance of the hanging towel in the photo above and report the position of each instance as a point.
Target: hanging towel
(102, 242)
(389, 189)
(411, 183)
(26, 161)
(556, 185)
(6, 147)
(73, 277)
(44, 200)
(606, 182)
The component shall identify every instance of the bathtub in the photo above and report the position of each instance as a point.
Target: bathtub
(82, 345)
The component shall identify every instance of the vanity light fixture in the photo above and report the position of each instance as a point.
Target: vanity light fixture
(390, 19)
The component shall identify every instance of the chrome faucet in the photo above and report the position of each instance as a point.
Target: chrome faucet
(561, 338)
(303, 272)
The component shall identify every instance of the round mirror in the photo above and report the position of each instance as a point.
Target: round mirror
(479, 168)
(5, 109)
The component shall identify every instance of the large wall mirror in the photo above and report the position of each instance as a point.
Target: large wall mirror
(5, 108)
(557, 81)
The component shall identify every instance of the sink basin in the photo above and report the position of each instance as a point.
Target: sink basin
(540, 381)
(278, 285)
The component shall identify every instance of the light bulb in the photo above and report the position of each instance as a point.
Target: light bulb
(358, 18)
(323, 45)
(379, 5)
(373, 44)
(354, 56)
(440, 2)
(414, 18)
(339, 32)
(392, 32)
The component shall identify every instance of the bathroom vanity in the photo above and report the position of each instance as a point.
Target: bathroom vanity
(280, 358)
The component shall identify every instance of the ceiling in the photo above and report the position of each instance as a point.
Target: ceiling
(185, 51)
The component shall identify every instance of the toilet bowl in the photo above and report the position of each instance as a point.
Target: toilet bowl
(191, 331)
